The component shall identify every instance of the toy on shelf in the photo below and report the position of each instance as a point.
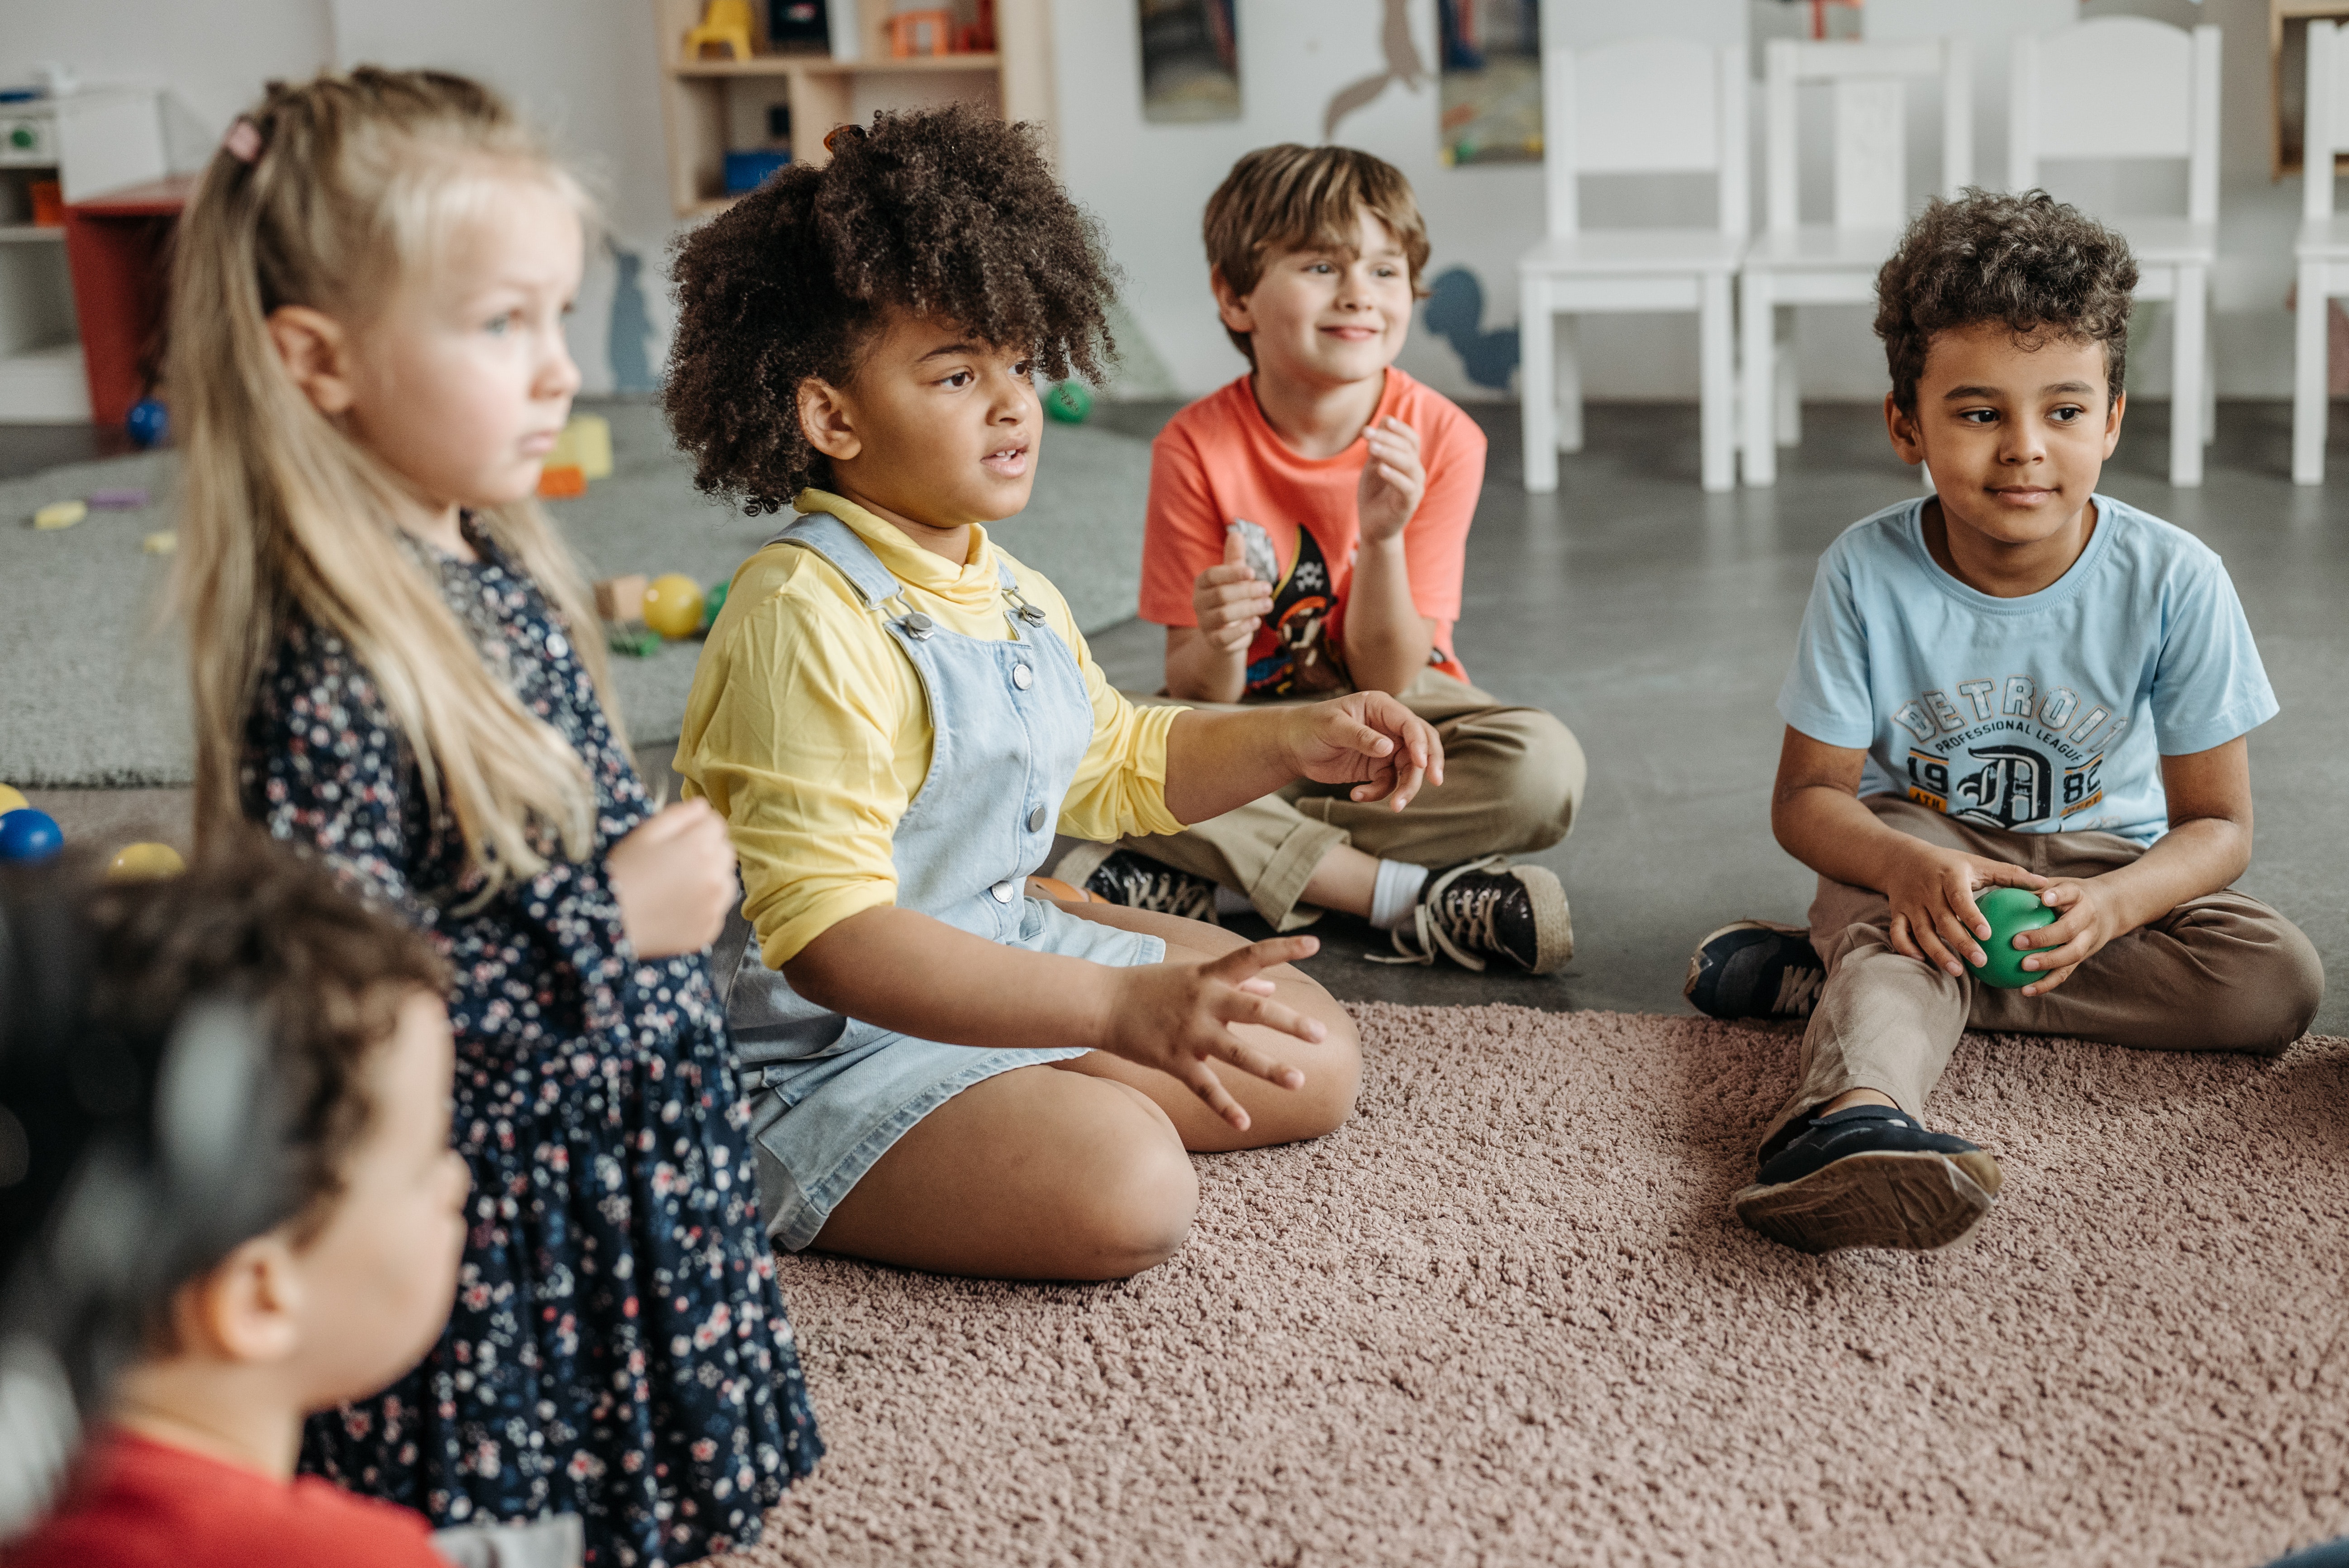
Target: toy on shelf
(585, 444)
(747, 170)
(1069, 402)
(149, 423)
(673, 606)
(144, 862)
(29, 835)
(724, 22)
(913, 33)
(60, 514)
(12, 800)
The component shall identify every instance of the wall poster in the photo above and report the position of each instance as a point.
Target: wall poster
(1490, 93)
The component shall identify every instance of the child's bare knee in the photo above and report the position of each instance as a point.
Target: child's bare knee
(1332, 1069)
(1133, 1206)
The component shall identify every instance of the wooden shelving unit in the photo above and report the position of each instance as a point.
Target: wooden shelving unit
(714, 105)
(2288, 23)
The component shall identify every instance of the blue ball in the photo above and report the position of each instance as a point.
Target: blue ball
(149, 423)
(26, 835)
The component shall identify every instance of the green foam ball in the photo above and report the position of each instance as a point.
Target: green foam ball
(1069, 402)
(2010, 910)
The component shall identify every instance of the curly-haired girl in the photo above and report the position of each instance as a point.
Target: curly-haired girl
(894, 716)
(395, 666)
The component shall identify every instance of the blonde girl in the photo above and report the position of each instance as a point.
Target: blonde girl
(396, 665)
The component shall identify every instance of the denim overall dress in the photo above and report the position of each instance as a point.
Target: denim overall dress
(1009, 722)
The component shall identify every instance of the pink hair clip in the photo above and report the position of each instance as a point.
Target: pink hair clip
(243, 141)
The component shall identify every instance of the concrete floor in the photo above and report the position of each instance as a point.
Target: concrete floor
(1657, 622)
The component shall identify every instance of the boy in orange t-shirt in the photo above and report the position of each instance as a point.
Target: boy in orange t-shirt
(1308, 530)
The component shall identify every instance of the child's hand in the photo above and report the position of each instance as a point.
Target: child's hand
(674, 879)
(1370, 737)
(2088, 923)
(1393, 481)
(1933, 914)
(1230, 600)
(1176, 1017)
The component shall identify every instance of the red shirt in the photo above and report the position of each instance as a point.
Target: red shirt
(135, 1503)
(1217, 464)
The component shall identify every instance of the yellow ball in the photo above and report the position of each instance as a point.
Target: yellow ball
(673, 606)
(12, 800)
(144, 862)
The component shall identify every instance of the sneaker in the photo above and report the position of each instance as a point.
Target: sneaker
(1138, 882)
(1482, 910)
(1755, 970)
(1872, 1176)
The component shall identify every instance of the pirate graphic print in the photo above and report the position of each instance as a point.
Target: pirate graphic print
(1296, 650)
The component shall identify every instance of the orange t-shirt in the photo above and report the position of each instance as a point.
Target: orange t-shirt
(1219, 466)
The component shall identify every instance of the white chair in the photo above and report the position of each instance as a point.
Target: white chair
(2322, 250)
(1643, 106)
(2122, 87)
(1793, 263)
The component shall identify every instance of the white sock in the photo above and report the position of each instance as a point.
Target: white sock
(1394, 893)
(1231, 903)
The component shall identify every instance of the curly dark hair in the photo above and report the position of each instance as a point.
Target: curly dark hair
(2043, 268)
(944, 211)
(327, 972)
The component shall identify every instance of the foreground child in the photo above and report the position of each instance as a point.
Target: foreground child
(894, 717)
(1306, 536)
(396, 665)
(346, 1282)
(2013, 682)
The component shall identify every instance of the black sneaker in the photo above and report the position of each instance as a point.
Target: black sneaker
(1755, 970)
(1872, 1176)
(1138, 882)
(1478, 910)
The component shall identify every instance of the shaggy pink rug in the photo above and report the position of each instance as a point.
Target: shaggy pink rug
(1505, 1316)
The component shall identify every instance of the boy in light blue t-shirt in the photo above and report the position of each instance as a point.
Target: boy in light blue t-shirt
(2015, 682)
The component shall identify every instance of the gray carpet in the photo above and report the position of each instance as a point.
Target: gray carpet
(96, 689)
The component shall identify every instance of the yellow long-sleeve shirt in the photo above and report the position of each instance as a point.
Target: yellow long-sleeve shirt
(808, 731)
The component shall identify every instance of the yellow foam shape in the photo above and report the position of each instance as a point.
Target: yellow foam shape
(585, 444)
(60, 514)
(144, 862)
(12, 800)
(161, 543)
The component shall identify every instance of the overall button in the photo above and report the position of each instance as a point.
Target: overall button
(1036, 820)
(1023, 676)
(1003, 890)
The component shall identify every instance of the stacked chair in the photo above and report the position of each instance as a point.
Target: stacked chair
(2117, 90)
(2321, 251)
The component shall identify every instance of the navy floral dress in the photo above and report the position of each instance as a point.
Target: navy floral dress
(618, 1348)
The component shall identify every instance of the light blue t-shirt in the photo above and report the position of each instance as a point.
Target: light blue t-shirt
(2040, 714)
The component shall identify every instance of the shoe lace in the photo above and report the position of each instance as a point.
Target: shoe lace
(1451, 919)
(1798, 992)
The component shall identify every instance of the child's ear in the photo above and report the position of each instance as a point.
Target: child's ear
(2113, 423)
(1230, 305)
(315, 352)
(1902, 428)
(249, 1308)
(826, 420)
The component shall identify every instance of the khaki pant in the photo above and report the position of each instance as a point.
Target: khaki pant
(2218, 973)
(1513, 779)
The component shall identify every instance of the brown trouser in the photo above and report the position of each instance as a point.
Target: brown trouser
(2218, 973)
(1513, 779)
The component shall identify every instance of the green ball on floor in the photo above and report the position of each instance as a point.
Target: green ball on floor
(2010, 910)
